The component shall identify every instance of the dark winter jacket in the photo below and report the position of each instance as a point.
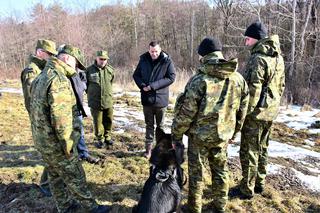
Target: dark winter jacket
(158, 74)
(79, 85)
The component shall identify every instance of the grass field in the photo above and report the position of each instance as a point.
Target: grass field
(119, 178)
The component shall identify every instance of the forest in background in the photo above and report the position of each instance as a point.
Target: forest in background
(125, 30)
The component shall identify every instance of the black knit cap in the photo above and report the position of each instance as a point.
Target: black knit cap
(256, 30)
(209, 45)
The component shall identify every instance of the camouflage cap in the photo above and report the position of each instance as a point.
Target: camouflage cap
(75, 52)
(102, 54)
(47, 45)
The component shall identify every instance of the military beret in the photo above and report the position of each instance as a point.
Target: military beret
(102, 54)
(209, 45)
(75, 52)
(47, 45)
(256, 30)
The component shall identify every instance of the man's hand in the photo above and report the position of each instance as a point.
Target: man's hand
(147, 88)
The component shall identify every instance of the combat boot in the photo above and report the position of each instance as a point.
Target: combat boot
(147, 153)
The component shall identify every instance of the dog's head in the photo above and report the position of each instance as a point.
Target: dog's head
(163, 154)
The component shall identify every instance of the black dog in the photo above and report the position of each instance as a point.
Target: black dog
(162, 191)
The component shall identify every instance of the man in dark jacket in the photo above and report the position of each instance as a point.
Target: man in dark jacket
(153, 75)
(100, 76)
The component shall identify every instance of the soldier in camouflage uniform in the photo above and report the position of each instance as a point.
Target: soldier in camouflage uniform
(56, 131)
(210, 111)
(44, 49)
(266, 80)
(100, 76)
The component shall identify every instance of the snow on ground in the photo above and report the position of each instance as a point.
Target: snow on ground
(297, 154)
(11, 90)
(294, 118)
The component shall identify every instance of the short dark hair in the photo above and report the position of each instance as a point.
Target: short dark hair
(154, 43)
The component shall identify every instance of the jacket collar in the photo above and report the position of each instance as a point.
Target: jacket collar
(41, 63)
(61, 66)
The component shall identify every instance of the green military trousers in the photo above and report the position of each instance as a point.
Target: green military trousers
(254, 154)
(68, 184)
(217, 158)
(102, 123)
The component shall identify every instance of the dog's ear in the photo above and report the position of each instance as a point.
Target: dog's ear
(159, 134)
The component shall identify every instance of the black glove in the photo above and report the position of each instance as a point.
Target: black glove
(179, 151)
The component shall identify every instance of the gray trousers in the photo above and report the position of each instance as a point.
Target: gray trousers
(150, 114)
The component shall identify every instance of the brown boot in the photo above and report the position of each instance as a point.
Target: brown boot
(147, 153)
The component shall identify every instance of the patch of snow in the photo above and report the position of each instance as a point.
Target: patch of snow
(309, 142)
(312, 182)
(314, 131)
(274, 168)
(277, 149)
(294, 118)
(233, 150)
(11, 90)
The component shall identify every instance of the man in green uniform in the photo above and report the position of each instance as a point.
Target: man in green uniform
(210, 111)
(100, 76)
(56, 131)
(37, 61)
(266, 80)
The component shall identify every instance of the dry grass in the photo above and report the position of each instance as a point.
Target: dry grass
(118, 180)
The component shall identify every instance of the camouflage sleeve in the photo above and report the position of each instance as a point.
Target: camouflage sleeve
(255, 81)
(242, 112)
(27, 76)
(187, 107)
(61, 101)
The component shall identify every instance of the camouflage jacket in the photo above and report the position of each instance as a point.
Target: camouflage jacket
(28, 75)
(55, 125)
(265, 71)
(99, 86)
(214, 104)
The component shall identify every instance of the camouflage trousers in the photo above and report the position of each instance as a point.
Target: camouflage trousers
(217, 157)
(102, 123)
(254, 154)
(68, 184)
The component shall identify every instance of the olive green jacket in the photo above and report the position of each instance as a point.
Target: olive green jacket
(265, 68)
(214, 103)
(99, 86)
(28, 74)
